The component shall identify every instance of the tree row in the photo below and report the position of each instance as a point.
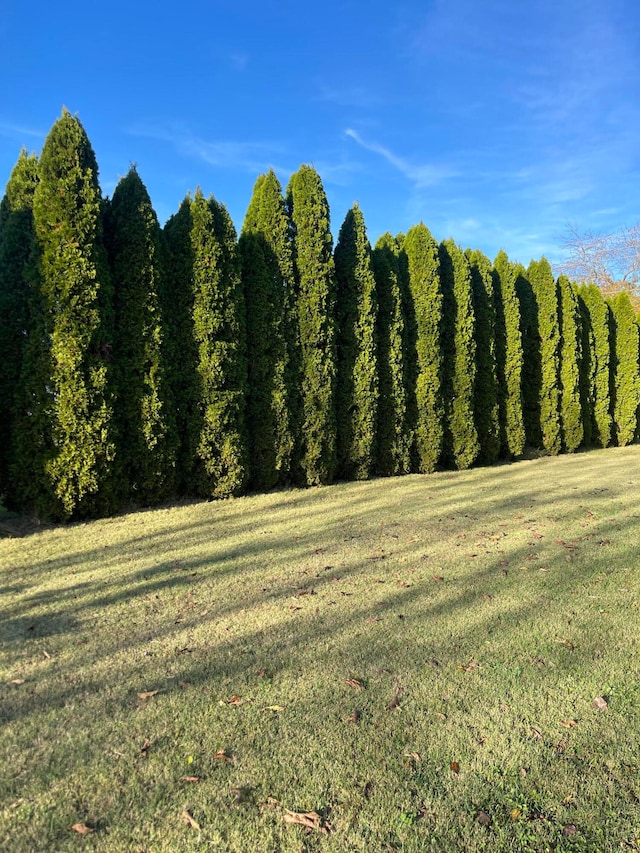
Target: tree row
(142, 363)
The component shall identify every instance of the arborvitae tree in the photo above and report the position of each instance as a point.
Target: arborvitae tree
(357, 374)
(394, 441)
(267, 276)
(221, 464)
(316, 287)
(626, 371)
(486, 406)
(531, 377)
(508, 356)
(145, 460)
(587, 365)
(72, 477)
(16, 254)
(461, 445)
(570, 359)
(425, 340)
(180, 346)
(596, 366)
(546, 295)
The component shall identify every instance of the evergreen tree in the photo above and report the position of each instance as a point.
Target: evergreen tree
(508, 356)
(570, 358)
(221, 463)
(460, 445)
(69, 472)
(531, 378)
(596, 371)
(393, 442)
(316, 289)
(146, 440)
(486, 406)
(180, 346)
(425, 306)
(626, 370)
(16, 255)
(357, 374)
(546, 295)
(267, 276)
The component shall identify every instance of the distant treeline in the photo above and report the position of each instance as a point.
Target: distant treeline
(142, 363)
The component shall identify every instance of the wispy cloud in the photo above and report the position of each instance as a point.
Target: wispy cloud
(18, 131)
(421, 175)
(250, 157)
(359, 97)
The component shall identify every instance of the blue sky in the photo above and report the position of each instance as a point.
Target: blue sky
(495, 122)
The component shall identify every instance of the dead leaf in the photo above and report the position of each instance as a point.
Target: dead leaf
(600, 703)
(469, 666)
(535, 732)
(189, 778)
(274, 708)
(188, 818)
(82, 829)
(235, 700)
(354, 716)
(441, 716)
(146, 746)
(261, 673)
(516, 814)
(147, 694)
(568, 724)
(566, 643)
(46, 654)
(223, 755)
(294, 607)
(310, 820)
(374, 619)
(17, 681)
(455, 768)
(483, 819)
(415, 756)
(395, 702)
(569, 829)
(183, 684)
(437, 578)
(354, 682)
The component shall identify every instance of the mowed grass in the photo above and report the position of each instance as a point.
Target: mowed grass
(413, 661)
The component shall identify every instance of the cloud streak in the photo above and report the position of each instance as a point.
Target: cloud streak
(421, 175)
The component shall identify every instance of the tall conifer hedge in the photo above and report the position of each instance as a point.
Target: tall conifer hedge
(626, 371)
(596, 373)
(316, 298)
(425, 308)
(570, 360)
(546, 296)
(357, 374)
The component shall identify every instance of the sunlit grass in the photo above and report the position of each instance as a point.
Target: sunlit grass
(415, 660)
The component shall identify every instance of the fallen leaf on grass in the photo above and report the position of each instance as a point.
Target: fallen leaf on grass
(147, 694)
(310, 820)
(274, 708)
(569, 829)
(146, 746)
(17, 681)
(235, 700)
(566, 643)
(354, 716)
(469, 666)
(82, 829)
(395, 702)
(188, 818)
(535, 732)
(189, 778)
(568, 724)
(223, 755)
(455, 768)
(483, 819)
(46, 654)
(437, 578)
(600, 703)
(353, 682)
(414, 756)
(294, 607)
(516, 814)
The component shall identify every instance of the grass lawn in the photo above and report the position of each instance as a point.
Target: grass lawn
(403, 664)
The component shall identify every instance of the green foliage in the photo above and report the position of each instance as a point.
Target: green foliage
(508, 356)
(179, 345)
(394, 441)
(16, 257)
(460, 445)
(425, 307)
(357, 374)
(316, 289)
(70, 468)
(625, 369)
(221, 462)
(531, 378)
(267, 276)
(596, 373)
(570, 358)
(486, 405)
(545, 292)
(146, 441)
